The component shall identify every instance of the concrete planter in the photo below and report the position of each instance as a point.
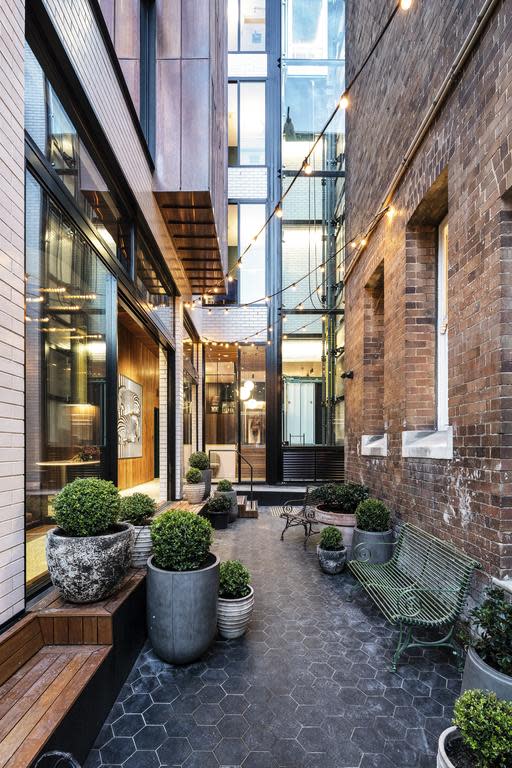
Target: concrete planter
(182, 610)
(372, 546)
(194, 492)
(234, 615)
(89, 568)
(206, 474)
(443, 761)
(478, 674)
(142, 546)
(332, 561)
(345, 522)
(231, 495)
(219, 520)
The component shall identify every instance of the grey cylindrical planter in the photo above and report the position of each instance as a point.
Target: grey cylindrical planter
(194, 492)
(89, 568)
(142, 546)
(372, 546)
(231, 495)
(478, 674)
(182, 610)
(207, 480)
(443, 761)
(332, 561)
(234, 615)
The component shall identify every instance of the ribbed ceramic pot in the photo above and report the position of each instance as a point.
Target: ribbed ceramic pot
(207, 480)
(193, 492)
(142, 546)
(234, 615)
(443, 761)
(89, 568)
(332, 561)
(478, 674)
(372, 546)
(182, 610)
(233, 512)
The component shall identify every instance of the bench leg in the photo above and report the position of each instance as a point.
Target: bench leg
(408, 640)
(353, 591)
(404, 641)
(285, 528)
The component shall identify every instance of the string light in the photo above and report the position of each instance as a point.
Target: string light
(405, 4)
(344, 102)
(306, 167)
(230, 279)
(278, 210)
(391, 212)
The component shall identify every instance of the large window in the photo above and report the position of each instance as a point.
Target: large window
(442, 327)
(252, 271)
(246, 123)
(246, 25)
(302, 391)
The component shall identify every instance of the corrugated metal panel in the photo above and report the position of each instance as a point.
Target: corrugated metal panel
(313, 464)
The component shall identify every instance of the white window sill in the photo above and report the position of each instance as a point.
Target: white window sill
(505, 583)
(424, 444)
(374, 445)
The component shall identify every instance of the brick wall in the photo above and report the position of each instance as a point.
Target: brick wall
(12, 25)
(468, 149)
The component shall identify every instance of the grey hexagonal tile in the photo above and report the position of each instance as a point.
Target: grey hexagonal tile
(128, 725)
(231, 752)
(150, 737)
(208, 714)
(174, 750)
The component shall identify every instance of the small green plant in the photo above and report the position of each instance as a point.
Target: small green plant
(372, 515)
(87, 507)
(493, 619)
(181, 540)
(138, 509)
(485, 726)
(193, 476)
(234, 580)
(341, 497)
(224, 486)
(199, 460)
(219, 504)
(331, 538)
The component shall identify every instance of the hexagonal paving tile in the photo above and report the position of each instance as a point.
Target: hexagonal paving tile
(150, 737)
(231, 752)
(174, 750)
(208, 714)
(235, 684)
(128, 725)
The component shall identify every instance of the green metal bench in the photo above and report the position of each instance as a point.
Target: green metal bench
(423, 585)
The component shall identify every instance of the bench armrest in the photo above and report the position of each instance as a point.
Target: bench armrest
(297, 510)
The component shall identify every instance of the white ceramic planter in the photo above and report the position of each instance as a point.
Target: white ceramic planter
(142, 546)
(443, 761)
(193, 492)
(233, 616)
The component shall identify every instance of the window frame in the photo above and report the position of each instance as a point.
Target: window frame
(147, 85)
(442, 326)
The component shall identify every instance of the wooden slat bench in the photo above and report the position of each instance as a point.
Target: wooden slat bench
(423, 585)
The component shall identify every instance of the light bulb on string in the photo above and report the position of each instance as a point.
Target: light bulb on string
(278, 211)
(294, 286)
(363, 242)
(405, 4)
(230, 278)
(306, 167)
(391, 212)
(344, 102)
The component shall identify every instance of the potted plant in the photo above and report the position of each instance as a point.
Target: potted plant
(193, 487)
(225, 488)
(218, 510)
(90, 551)
(373, 537)
(182, 586)
(138, 509)
(236, 599)
(332, 555)
(199, 460)
(337, 504)
(489, 661)
(481, 736)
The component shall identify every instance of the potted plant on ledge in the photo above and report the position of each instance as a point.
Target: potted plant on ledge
(236, 599)
(225, 488)
(138, 509)
(193, 487)
(182, 587)
(489, 662)
(332, 555)
(373, 537)
(199, 460)
(481, 736)
(90, 551)
(218, 510)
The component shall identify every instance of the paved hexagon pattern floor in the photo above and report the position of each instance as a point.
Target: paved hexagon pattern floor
(309, 686)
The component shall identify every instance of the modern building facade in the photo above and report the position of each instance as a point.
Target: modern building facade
(427, 269)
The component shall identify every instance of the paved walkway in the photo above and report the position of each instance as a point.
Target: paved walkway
(308, 687)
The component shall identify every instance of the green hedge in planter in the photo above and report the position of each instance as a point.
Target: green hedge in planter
(199, 460)
(331, 538)
(87, 507)
(234, 580)
(138, 509)
(219, 504)
(373, 516)
(181, 540)
(493, 619)
(224, 486)
(344, 496)
(193, 476)
(485, 726)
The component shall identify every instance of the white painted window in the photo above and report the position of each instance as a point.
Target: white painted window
(442, 327)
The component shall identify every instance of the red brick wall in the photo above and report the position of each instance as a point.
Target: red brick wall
(467, 499)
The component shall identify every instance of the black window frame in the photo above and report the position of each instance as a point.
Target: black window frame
(148, 72)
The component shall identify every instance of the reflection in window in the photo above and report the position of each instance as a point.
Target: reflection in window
(302, 391)
(314, 29)
(151, 290)
(246, 123)
(252, 270)
(246, 25)
(252, 394)
(66, 322)
(233, 124)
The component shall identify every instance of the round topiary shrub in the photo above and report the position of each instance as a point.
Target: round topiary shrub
(224, 486)
(234, 580)
(87, 507)
(181, 540)
(138, 509)
(372, 515)
(219, 504)
(331, 538)
(485, 726)
(199, 460)
(193, 476)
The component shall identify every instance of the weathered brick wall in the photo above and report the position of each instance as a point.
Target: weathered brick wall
(466, 499)
(12, 577)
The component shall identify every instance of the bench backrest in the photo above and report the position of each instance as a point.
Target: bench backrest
(434, 565)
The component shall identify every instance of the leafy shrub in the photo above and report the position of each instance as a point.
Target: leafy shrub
(199, 460)
(485, 725)
(234, 580)
(219, 504)
(193, 476)
(372, 515)
(87, 507)
(224, 486)
(138, 508)
(181, 540)
(493, 619)
(331, 538)
(343, 497)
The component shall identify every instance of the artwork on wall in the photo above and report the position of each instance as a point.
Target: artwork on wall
(129, 418)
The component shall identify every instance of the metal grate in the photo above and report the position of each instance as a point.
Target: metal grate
(313, 464)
